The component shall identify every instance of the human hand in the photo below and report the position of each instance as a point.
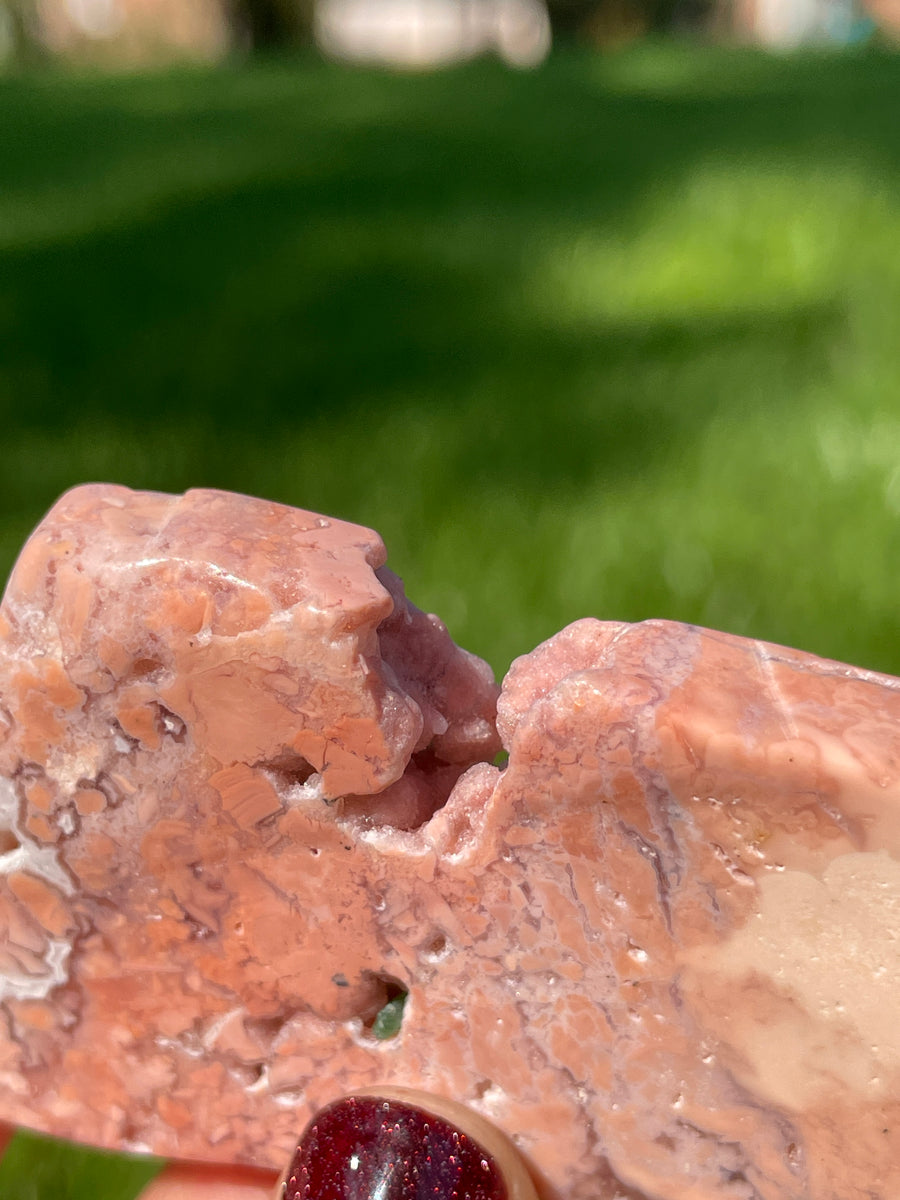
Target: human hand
(390, 1143)
(187, 1181)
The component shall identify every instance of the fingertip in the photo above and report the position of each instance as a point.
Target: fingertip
(189, 1181)
(417, 1142)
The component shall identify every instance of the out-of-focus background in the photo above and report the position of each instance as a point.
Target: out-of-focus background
(588, 306)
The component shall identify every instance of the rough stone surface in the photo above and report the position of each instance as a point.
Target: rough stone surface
(247, 793)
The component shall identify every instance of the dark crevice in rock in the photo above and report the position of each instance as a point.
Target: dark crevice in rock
(436, 946)
(424, 787)
(170, 724)
(288, 770)
(8, 841)
(265, 1030)
(141, 667)
(456, 696)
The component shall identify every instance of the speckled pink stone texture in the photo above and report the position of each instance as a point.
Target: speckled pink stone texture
(247, 791)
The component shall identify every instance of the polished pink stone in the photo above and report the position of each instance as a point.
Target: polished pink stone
(247, 795)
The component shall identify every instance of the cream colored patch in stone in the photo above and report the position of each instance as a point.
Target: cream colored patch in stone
(43, 862)
(29, 856)
(68, 766)
(831, 945)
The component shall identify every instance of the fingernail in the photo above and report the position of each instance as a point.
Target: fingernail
(374, 1148)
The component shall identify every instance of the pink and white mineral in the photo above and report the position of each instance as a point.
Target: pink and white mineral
(248, 801)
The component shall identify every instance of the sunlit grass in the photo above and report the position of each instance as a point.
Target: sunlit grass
(689, 251)
(614, 338)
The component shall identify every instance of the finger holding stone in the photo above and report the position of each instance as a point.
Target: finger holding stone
(188, 1181)
(401, 1144)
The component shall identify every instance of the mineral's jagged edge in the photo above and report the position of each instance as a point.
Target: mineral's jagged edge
(411, 741)
(247, 797)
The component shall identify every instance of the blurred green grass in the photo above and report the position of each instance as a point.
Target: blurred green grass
(618, 337)
(39, 1168)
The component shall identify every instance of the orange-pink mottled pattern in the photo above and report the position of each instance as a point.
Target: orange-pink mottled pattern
(248, 790)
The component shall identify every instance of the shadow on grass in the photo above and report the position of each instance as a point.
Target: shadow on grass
(260, 250)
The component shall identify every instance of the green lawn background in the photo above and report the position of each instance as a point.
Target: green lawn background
(617, 338)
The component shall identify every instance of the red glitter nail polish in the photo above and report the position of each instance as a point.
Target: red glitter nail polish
(366, 1148)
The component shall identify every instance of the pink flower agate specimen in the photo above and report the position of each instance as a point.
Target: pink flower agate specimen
(247, 795)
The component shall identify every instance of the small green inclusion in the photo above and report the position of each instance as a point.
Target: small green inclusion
(387, 1022)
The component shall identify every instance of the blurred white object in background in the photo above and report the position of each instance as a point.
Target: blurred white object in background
(427, 33)
(785, 24)
(788, 24)
(96, 18)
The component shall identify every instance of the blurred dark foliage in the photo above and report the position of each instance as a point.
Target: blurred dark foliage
(603, 20)
(271, 24)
